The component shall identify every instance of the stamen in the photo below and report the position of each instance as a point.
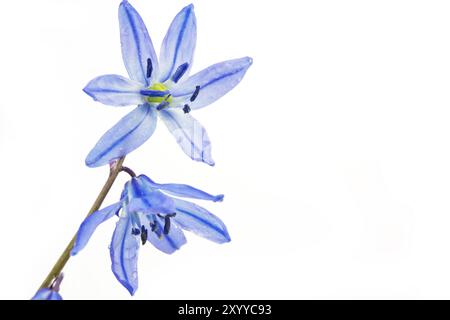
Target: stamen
(152, 226)
(154, 93)
(144, 235)
(166, 225)
(149, 68)
(162, 105)
(186, 108)
(167, 221)
(135, 231)
(180, 72)
(195, 94)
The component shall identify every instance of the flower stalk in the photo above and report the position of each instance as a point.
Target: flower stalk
(115, 169)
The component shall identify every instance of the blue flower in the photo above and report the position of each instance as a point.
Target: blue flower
(160, 88)
(148, 213)
(47, 294)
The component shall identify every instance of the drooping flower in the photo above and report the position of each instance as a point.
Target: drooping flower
(160, 88)
(146, 212)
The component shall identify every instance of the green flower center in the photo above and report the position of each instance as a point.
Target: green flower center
(159, 87)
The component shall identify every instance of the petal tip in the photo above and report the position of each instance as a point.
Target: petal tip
(89, 163)
(249, 61)
(219, 198)
(124, 3)
(87, 91)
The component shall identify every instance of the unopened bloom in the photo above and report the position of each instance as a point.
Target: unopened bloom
(160, 88)
(147, 213)
(47, 294)
(51, 293)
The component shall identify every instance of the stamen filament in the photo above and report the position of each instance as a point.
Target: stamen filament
(154, 93)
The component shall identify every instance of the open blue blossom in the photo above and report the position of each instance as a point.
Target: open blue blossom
(160, 88)
(47, 294)
(148, 213)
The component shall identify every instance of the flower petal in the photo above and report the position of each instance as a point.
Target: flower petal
(180, 190)
(196, 219)
(168, 243)
(91, 223)
(190, 135)
(127, 135)
(156, 202)
(137, 47)
(124, 255)
(179, 43)
(46, 294)
(115, 90)
(214, 82)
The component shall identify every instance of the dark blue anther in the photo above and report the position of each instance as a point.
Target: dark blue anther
(180, 72)
(195, 94)
(135, 231)
(144, 235)
(149, 68)
(166, 225)
(162, 105)
(186, 108)
(167, 221)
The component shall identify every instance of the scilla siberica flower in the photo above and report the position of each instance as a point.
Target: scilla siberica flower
(148, 213)
(160, 88)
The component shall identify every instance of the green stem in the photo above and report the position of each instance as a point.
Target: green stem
(65, 256)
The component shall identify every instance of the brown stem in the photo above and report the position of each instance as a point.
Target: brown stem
(65, 256)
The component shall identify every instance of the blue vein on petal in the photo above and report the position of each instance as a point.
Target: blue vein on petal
(101, 155)
(187, 137)
(214, 81)
(177, 47)
(204, 222)
(111, 91)
(136, 40)
(169, 239)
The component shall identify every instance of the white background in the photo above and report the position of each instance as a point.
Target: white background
(332, 153)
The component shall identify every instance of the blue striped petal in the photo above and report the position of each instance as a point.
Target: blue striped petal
(156, 202)
(91, 223)
(46, 294)
(124, 250)
(200, 221)
(137, 47)
(190, 135)
(115, 90)
(127, 135)
(167, 243)
(180, 190)
(179, 43)
(214, 82)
